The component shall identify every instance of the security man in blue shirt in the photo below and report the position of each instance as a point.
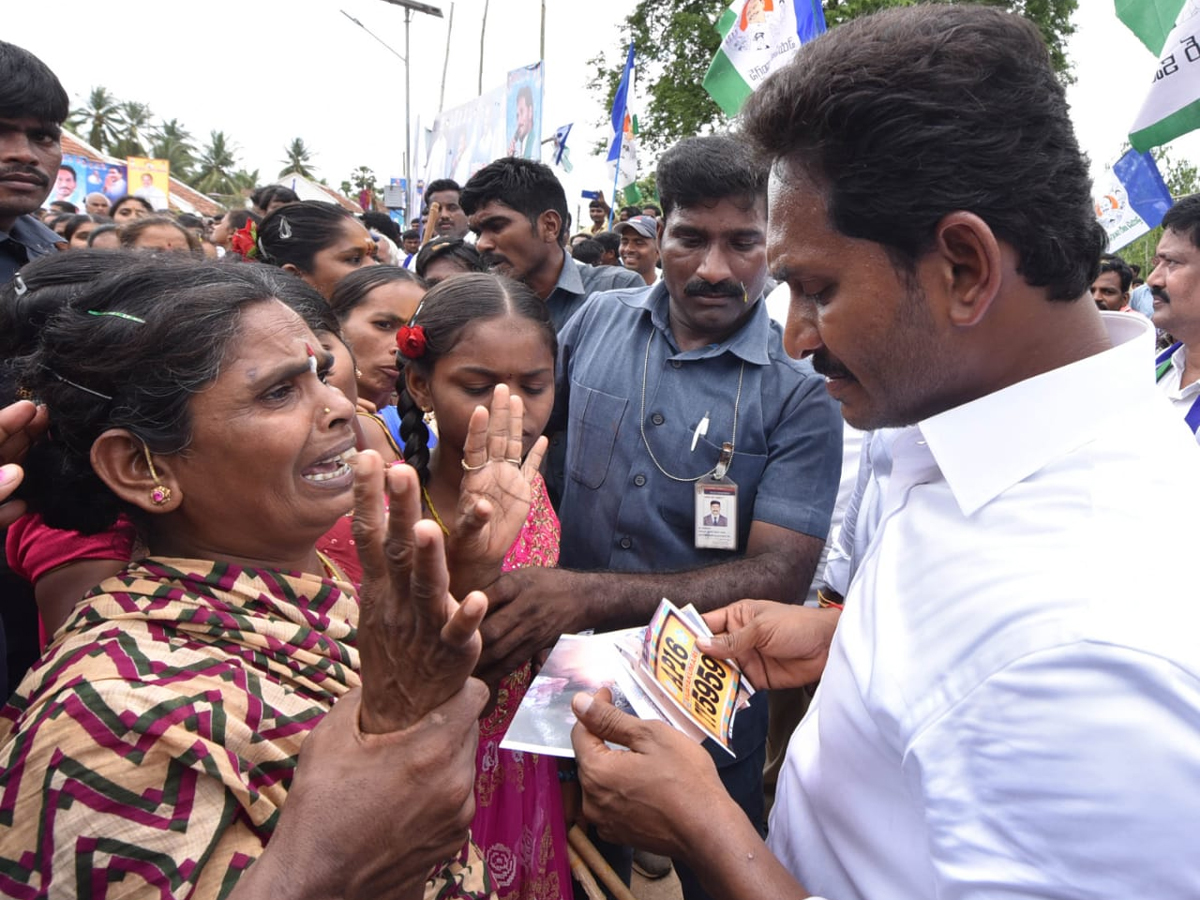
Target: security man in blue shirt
(672, 396)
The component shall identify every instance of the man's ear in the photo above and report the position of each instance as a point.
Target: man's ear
(128, 467)
(549, 224)
(418, 388)
(290, 267)
(973, 263)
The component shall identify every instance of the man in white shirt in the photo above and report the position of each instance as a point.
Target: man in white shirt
(1008, 707)
(1175, 286)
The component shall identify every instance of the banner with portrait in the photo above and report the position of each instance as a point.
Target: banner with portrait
(150, 179)
(523, 118)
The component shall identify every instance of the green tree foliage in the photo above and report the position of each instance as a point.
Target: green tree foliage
(98, 119)
(216, 167)
(174, 143)
(134, 121)
(297, 159)
(676, 41)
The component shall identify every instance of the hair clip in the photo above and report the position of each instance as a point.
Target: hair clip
(19, 286)
(285, 230)
(417, 311)
(118, 315)
(80, 387)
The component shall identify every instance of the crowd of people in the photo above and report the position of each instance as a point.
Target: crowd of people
(295, 501)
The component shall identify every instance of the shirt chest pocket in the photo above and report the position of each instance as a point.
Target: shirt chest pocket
(595, 421)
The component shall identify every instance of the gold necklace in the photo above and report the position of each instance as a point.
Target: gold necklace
(433, 511)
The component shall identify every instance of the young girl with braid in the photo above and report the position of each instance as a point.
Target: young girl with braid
(475, 340)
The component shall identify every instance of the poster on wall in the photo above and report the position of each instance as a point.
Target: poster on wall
(150, 179)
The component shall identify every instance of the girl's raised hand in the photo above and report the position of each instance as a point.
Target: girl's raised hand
(495, 493)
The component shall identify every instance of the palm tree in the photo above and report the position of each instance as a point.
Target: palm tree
(99, 116)
(298, 158)
(214, 169)
(135, 120)
(174, 143)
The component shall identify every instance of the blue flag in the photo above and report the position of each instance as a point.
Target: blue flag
(618, 109)
(560, 141)
(1131, 198)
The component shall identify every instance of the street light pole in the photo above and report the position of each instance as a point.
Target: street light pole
(410, 7)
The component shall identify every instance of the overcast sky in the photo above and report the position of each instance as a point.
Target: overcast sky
(266, 71)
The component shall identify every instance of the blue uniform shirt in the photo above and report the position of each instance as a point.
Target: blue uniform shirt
(576, 281)
(619, 512)
(27, 240)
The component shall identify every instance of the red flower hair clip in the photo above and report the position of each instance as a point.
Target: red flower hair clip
(245, 241)
(411, 341)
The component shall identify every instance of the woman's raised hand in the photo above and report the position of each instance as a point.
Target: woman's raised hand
(418, 645)
(496, 490)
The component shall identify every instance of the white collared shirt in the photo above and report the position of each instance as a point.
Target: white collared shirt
(1011, 708)
(1181, 398)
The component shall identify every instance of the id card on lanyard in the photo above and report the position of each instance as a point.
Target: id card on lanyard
(716, 507)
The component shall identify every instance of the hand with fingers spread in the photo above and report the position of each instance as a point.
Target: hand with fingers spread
(21, 424)
(495, 493)
(417, 644)
(777, 645)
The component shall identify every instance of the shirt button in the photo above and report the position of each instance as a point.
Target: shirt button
(675, 364)
(639, 480)
(626, 543)
(657, 419)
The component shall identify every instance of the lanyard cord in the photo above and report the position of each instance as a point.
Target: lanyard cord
(642, 420)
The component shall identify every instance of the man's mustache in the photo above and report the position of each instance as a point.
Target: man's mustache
(698, 287)
(1159, 293)
(27, 171)
(491, 260)
(826, 365)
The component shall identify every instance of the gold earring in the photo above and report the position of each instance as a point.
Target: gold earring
(161, 493)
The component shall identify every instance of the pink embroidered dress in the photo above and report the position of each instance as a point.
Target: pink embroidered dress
(519, 823)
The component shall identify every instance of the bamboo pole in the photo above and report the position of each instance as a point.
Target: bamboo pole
(590, 855)
(583, 875)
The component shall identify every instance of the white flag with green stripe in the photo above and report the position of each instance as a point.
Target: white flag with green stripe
(758, 37)
(1171, 29)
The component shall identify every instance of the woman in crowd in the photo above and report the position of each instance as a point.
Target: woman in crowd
(443, 257)
(158, 233)
(78, 229)
(320, 242)
(157, 740)
(474, 337)
(127, 208)
(372, 303)
(104, 237)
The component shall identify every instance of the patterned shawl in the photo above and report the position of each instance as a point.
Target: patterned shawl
(149, 751)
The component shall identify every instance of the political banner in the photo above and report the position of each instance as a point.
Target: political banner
(757, 38)
(1131, 198)
(1172, 106)
(524, 111)
(151, 180)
